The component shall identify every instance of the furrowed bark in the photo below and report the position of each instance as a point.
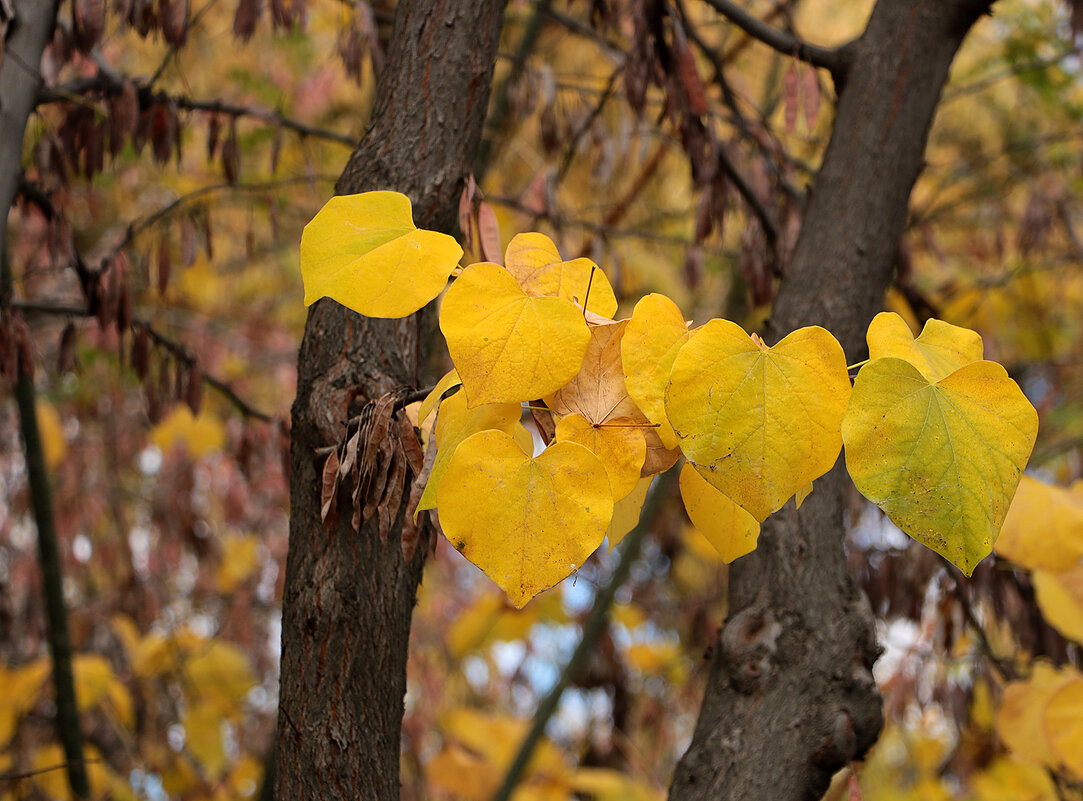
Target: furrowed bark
(348, 597)
(790, 696)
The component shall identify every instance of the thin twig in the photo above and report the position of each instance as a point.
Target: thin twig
(828, 58)
(178, 351)
(107, 84)
(27, 774)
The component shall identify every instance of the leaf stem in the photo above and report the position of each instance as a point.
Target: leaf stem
(590, 282)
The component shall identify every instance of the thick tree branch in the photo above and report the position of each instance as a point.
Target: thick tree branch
(831, 59)
(349, 595)
(790, 698)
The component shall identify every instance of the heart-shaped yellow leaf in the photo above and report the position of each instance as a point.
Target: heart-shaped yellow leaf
(654, 335)
(940, 349)
(1020, 720)
(526, 522)
(942, 460)
(729, 528)
(1043, 529)
(365, 252)
(454, 423)
(535, 262)
(619, 444)
(506, 345)
(1060, 597)
(758, 423)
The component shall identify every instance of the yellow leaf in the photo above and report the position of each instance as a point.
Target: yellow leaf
(221, 676)
(456, 771)
(1043, 529)
(506, 345)
(526, 522)
(940, 349)
(942, 460)
(203, 738)
(450, 379)
(1060, 596)
(53, 444)
(1008, 780)
(535, 262)
(1064, 724)
(488, 618)
(655, 333)
(652, 657)
(604, 784)
(246, 777)
(22, 687)
(802, 493)
(454, 423)
(201, 436)
(619, 444)
(95, 682)
(729, 528)
(54, 783)
(626, 512)
(496, 739)
(1020, 721)
(240, 558)
(758, 423)
(364, 252)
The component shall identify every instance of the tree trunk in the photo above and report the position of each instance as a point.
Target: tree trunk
(790, 696)
(348, 597)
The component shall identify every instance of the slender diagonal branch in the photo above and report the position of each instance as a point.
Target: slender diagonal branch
(831, 59)
(178, 351)
(108, 83)
(595, 622)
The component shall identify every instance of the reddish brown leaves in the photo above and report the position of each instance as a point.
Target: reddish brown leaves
(377, 461)
(246, 18)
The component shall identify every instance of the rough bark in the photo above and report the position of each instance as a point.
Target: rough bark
(24, 42)
(790, 696)
(348, 597)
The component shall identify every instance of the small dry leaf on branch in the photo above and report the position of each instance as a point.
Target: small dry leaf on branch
(246, 18)
(489, 234)
(790, 97)
(329, 488)
(65, 352)
(193, 391)
(140, 355)
(231, 154)
(173, 15)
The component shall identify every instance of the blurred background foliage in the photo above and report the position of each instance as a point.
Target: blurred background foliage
(175, 154)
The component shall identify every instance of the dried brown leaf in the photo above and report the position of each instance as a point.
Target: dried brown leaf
(329, 488)
(65, 352)
(193, 391)
(244, 21)
(489, 234)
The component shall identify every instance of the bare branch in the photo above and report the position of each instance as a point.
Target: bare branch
(110, 83)
(830, 59)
